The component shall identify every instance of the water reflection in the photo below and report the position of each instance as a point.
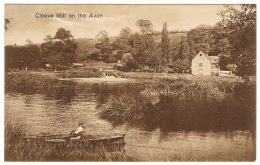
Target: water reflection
(57, 112)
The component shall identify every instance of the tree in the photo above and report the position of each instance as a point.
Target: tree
(181, 65)
(240, 26)
(123, 42)
(224, 60)
(200, 39)
(48, 38)
(29, 42)
(165, 43)
(155, 61)
(231, 67)
(146, 26)
(143, 45)
(103, 45)
(61, 52)
(22, 57)
(183, 50)
(102, 37)
(129, 61)
(7, 24)
(125, 33)
(63, 35)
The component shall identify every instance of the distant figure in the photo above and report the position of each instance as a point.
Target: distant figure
(79, 130)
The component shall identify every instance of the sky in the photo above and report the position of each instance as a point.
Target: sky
(25, 25)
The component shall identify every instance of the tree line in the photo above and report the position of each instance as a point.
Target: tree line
(233, 39)
(58, 51)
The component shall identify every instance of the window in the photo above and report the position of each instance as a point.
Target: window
(200, 64)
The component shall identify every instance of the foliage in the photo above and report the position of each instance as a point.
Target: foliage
(183, 50)
(129, 62)
(22, 57)
(143, 46)
(61, 52)
(7, 23)
(240, 26)
(124, 41)
(103, 45)
(185, 103)
(224, 61)
(165, 43)
(180, 65)
(146, 26)
(231, 67)
(63, 35)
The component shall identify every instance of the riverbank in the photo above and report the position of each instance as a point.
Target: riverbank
(186, 103)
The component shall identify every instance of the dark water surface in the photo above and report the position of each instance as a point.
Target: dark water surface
(58, 112)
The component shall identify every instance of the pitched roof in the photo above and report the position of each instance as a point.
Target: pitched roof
(213, 59)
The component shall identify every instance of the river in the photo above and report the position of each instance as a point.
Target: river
(58, 112)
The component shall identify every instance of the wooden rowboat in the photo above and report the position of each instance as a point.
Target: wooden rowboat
(112, 143)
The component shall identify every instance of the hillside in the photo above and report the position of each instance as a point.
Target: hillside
(86, 47)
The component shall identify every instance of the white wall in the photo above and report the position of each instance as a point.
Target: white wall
(206, 65)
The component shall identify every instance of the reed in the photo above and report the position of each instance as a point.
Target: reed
(22, 150)
(186, 103)
(88, 73)
(23, 81)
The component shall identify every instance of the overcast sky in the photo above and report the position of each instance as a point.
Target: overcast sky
(24, 24)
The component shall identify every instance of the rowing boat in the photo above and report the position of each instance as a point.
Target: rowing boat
(112, 143)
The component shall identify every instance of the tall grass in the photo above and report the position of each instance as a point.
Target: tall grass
(187, 103)
(23, 81)
(81, 74)
(17, 149)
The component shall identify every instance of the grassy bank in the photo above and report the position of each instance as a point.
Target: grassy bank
(87, 73)
(21, 150)
(22, 81)
(186, 103)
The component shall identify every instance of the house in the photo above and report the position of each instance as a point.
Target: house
(202, 64)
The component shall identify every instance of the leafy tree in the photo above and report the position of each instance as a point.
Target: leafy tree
(143, 45)
(181, 65)
(7, 23)
(22, 57)
(123, 42)
(146, 26)
(165, 43)
(155, 61)
(200, 39)
(61, 52)
(103, 45)
(102, 37)
(129, 61)
(63, 35)
(48, 38)
(240, 26)
(183, 50)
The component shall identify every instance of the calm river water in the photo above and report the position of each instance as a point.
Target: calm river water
(59, 112)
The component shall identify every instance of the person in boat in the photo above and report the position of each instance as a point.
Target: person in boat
(79, 130)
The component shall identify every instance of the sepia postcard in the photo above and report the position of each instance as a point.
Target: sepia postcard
(129, 83)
